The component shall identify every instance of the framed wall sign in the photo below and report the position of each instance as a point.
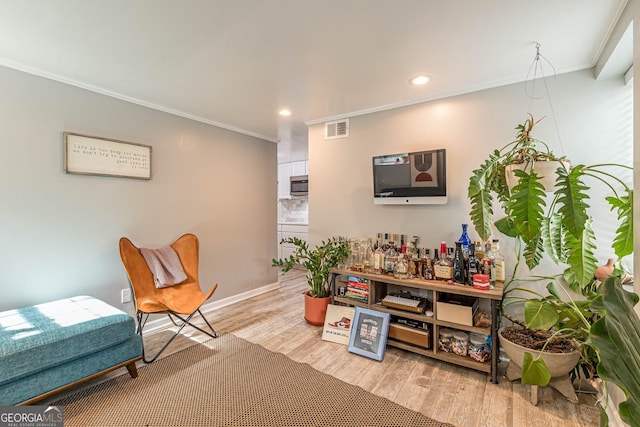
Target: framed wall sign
(90, 155)
(369, 333)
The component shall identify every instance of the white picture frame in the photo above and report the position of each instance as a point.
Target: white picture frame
(369, 333)
(337, 323)
(91, 155)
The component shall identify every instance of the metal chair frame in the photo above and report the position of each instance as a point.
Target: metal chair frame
(142, 320)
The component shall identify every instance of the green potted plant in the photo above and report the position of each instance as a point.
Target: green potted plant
(557, 225)
(616, 335)
(329, 253)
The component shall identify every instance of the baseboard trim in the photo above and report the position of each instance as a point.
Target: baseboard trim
(159, 325)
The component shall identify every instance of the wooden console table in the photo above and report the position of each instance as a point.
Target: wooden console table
(381, 284)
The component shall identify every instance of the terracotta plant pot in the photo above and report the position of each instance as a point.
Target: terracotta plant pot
(315, 309)
(559, 364)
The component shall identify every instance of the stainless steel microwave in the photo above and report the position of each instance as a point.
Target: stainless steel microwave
(300, 185)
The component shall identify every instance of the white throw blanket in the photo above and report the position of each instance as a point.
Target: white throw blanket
(165, 266)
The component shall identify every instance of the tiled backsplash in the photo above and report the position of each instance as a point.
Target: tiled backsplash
(294, 210)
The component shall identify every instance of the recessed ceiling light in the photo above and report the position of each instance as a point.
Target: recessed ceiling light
(420, 80)
(284, 112)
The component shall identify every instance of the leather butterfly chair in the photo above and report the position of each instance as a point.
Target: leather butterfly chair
(180, 302)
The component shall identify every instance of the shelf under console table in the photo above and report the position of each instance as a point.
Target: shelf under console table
(381, 284)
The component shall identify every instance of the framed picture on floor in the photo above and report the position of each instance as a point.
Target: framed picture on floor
(337, 323)
(369, 332)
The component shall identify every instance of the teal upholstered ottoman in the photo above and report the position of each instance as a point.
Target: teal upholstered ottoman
(49, 347)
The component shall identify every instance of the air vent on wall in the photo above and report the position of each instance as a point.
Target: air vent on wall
(336, 129)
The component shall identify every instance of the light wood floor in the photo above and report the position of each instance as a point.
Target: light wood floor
(448, 393)
(445, 392)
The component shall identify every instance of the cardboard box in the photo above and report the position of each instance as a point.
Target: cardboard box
(418, 337)
(456, 308)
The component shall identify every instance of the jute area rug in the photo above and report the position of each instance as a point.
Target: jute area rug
(232, 382)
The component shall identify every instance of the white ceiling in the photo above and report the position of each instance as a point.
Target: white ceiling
(235, 63)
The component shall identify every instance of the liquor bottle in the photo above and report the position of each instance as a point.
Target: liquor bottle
(413, 268)
(479, 250)
(358, 255)
(378, 242)
(414, 262)
(412, 248)
(458, 265)
(465, 240)
(443, 268)
(385, 244)
(435, 259)
(450, 251)
(427, 266)
(401, 269)
(378, 258)
(473, 264)
(368, 256)
(388, 242)
(420, 262)
(486, 260)
(390, 258)
(353, 255)
(497, 260)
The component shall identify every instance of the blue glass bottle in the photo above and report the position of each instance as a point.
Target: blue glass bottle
(465, 240)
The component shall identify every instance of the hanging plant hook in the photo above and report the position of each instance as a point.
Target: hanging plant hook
(535, 69)
(530, 83)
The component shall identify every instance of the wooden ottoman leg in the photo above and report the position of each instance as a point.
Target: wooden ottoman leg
(133, 370)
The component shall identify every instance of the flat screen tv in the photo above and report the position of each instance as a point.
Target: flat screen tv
(418, 178)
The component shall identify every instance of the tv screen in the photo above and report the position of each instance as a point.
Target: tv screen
(410, 178)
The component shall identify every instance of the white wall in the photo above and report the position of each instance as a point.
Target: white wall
(60, 232)
(595, 124)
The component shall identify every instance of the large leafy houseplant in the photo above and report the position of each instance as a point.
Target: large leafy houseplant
(327, 254)
(562, 229)
(558, 225)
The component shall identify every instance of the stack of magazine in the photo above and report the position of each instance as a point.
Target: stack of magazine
(357, 289)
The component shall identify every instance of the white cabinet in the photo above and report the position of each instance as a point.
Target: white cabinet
(285, 172)
(284, 175)
(291, 230)
(299, 168)
(286, 251)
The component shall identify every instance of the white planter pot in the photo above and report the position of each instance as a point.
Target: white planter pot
(559, 364)
(544, 169)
